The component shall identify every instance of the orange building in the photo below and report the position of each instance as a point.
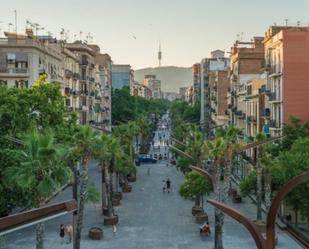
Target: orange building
(287, 68)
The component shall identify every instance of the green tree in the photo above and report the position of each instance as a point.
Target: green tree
(41, 172)
(85, 140)
(194, 185)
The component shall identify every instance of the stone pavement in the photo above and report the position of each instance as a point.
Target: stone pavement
(149, 219)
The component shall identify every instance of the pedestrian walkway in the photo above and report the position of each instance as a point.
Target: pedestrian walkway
(149, 219)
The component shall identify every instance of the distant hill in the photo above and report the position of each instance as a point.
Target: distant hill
(171, 77)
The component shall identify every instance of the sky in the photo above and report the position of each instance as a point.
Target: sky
(130, 30)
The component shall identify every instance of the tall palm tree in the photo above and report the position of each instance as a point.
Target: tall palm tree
(107, 151)
(145, 132)
(85, 140)
(42, 171)
(221, 150)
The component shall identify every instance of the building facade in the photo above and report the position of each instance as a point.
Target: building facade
(209, 67)
(246, 64)
(122, 75)
(196, 69)
(286, 67)
(23, 59)
(154, 85)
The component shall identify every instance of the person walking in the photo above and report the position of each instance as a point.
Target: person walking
(114, 230)
(69, 233)
(168, 185)
(62, 233)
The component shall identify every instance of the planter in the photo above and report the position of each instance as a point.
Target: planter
(111, 220)
(201, 218)
(131, 178)
(105, 211)
(236, 198)
(197, 210)
(232, 192)
(262, 228)
(118, 195)
(95, 233)
(116, 201)
(127, 188)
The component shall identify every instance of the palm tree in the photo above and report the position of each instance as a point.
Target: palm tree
(107, 151)
(42, 171)
(85, 140)
(145, 131)
(221, 150)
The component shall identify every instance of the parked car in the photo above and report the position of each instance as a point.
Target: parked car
(146, 159)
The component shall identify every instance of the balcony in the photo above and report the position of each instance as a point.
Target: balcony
(265, 66)
(266, 113)
(67, 91)
(274, 124)
(14, 72)
(264, 90)
(75, 76)
(75, 93)
(272, 97)
(68, 73)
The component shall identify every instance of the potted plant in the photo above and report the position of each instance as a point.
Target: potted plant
(195, 186)
(93, 196)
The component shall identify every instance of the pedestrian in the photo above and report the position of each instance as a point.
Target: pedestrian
(148, 171)
(168, 185)
(69, 233)
(62, 233)
(114, 230)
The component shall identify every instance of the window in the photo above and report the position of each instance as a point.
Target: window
(11, 58)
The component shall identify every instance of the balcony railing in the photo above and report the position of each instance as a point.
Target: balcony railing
(274, 124)
(13, 70)
(273, 97)
(266, 112)
(75, 76)
(68, 73)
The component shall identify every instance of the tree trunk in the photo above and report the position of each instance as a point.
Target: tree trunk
(109, 184)
(104, 202)
(40, 236)
(219, 215)
(267, 189)
(197, 202)
(81, 203)
(258, 191)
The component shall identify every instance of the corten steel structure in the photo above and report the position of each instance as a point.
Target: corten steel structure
(21, 220)
(260, 241)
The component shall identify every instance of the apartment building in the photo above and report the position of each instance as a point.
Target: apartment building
(209, 67)
(141, 90)
(103, 84)
(196, 70)
(255, 107)
(70, 88)
(287, 70)
(154, 85)
(246, 64)
(218, 96)
(23, 58)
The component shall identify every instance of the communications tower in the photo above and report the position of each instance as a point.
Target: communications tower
(160, 54)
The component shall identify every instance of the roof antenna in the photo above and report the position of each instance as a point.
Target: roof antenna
(286, 22)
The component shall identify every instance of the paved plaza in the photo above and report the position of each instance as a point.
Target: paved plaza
(149, 219)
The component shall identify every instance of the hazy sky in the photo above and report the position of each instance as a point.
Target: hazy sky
(188, 29)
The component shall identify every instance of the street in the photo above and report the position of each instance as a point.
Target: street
(148, 218)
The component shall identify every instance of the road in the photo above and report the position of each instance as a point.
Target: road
(149, 218)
